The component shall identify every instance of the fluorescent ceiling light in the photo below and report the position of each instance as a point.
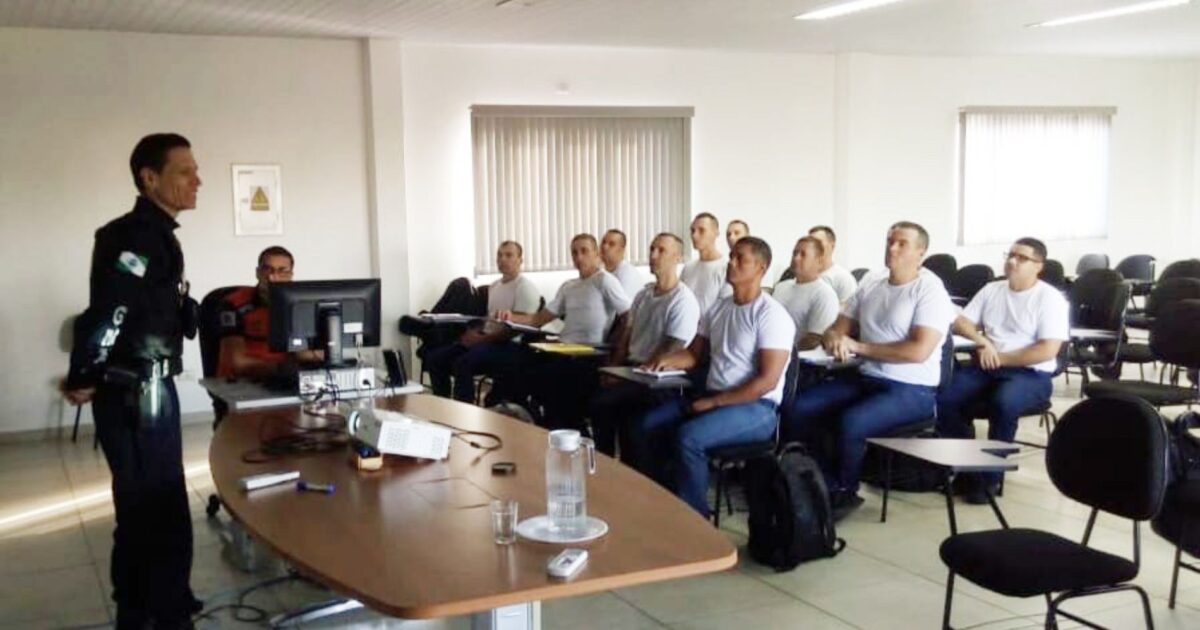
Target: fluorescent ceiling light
(1128, 9)
(843, 8)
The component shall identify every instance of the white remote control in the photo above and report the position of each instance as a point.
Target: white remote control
(254, 482)
(567, 563)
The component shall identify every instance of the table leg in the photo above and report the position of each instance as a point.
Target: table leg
(526, 616)
(995, 507)
(949, 490)
(887, 483)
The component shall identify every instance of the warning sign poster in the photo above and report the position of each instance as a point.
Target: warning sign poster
(257, 200)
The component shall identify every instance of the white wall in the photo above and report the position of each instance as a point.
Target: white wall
(72, 106)
(761, 138)
(899, 157)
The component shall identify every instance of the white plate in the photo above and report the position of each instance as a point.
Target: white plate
(538, 528)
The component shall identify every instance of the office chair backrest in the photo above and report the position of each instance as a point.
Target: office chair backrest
(1173, 337)
(1092, 297)
(859, 273)
(948, 361)
(1137, 267)
(1111, 453)
(210, 328)
(943, 266)
(787, 274)
(1171, 290)
(1053, 274)
(1189, 268)
(1091, 261)
(969, 280)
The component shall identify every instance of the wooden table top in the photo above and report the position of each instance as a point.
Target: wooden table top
(414, 540)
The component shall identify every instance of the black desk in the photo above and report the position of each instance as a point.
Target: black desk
(954, 456)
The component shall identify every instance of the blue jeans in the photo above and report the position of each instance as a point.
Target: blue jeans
(465, 363)
(670, 435)
(849, 409)
(1004, 394)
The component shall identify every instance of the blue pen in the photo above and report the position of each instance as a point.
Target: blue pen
(302, 485)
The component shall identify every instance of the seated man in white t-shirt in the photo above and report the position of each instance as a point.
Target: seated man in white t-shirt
(746, 340)
(612, 254)
(663, 319)
(589, 306)
(735, 231)
(810, 301)
(486, 349)
(837, 276)
(895, 325)
(706, 276)
(1019, 324)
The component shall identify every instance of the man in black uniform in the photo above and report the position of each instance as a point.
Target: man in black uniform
(128, 346)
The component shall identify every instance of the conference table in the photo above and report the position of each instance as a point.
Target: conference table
(414, 540)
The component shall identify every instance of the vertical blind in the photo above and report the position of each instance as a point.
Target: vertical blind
(545, 174)
(1040, 172)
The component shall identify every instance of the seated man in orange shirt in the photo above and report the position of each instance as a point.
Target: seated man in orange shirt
(245, 320)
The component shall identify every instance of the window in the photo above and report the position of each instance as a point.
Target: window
(545, 174)
(1040, 172)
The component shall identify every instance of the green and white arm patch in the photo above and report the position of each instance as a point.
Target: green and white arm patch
(131, 263)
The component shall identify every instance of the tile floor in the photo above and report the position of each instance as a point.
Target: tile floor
(56, 523)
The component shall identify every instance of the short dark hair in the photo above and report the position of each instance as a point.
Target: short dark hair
(744, 224)
(585, 237)
(624, 239)
(520, 250)
(709, 216)
(673, 237)
(922, 235)
(276, 250)
(151, 152)
(815, 242)
(757, 246)
(826, 229)
(1037, 246)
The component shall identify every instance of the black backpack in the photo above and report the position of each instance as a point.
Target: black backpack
(790, 517)
(1183, 466)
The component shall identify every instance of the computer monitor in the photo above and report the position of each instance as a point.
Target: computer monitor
(324, 315)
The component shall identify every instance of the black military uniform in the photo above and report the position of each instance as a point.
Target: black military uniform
(128, 345)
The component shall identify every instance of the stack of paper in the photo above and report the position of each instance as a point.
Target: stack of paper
(659, 374)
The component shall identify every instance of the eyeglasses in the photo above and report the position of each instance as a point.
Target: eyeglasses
(284, 272)
(1021, 258)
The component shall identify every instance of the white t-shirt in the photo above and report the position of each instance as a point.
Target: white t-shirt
(630, 278)
(519, 295)
(841, 280)
(653, 318)
(886, 314)
(706, 279)
(735, 335)
(814, 306)
(587, 307)
(1015, 320)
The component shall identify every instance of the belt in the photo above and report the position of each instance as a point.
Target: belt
(157, 369)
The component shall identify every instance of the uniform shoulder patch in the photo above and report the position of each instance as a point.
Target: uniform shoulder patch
(132, 263)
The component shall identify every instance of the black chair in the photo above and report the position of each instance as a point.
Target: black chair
(209, 334)
(1173, 340)
(968, 281)
(1138, 270)
(1109, 454)
(859, 273)
(787, 274)
(725, 459)
(1179, 524)
(1165, 292)
(1189, 268)
(1053, 274)
(1089, 262)
(1098, 300)
(943, 266)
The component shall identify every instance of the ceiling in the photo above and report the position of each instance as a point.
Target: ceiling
(939, 27)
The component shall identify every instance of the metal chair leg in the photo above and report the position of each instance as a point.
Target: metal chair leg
(716, 514)
(949, 600)
(75, 431)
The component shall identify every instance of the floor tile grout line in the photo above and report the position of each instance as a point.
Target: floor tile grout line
(802, 600)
